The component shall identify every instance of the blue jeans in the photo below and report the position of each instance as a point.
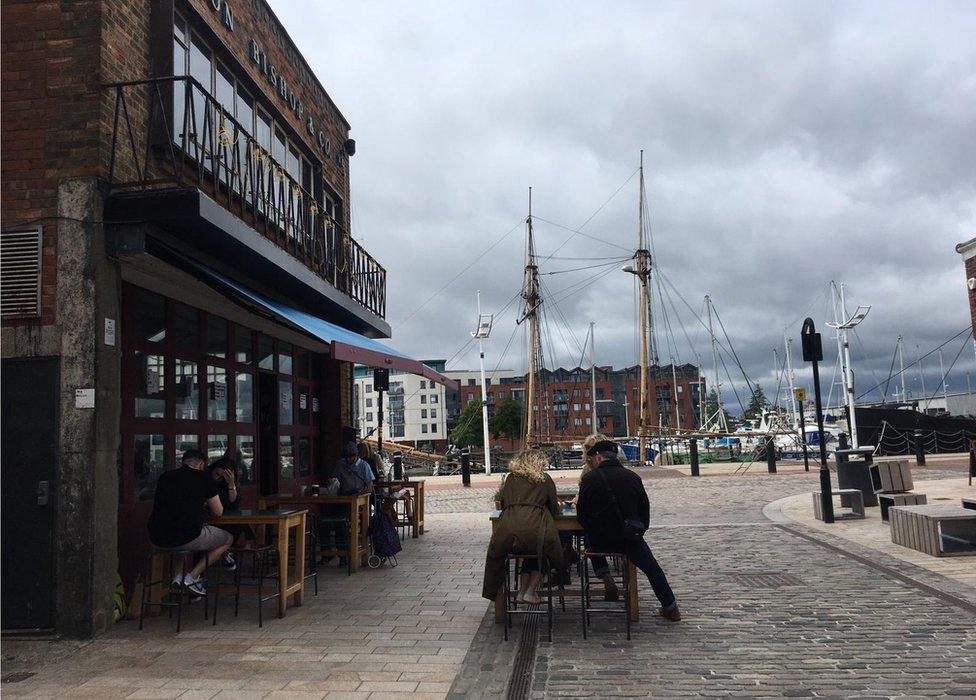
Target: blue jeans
(640, 555)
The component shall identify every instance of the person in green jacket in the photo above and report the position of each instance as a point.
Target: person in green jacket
(526, 526)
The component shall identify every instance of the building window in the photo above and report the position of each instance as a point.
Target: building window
(423, 428)
(369, 416)
(576, 407)
(586, 407)
(470, 396)
(433, 398)
(471, 382)
(423, 413)
(369, 403)
(369, 388)
(149, 462)
(433, 427)
(576, 393)
(423, 384)
(433, 413)
(589, 421)
(423, 398)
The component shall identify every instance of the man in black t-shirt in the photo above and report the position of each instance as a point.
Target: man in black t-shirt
(177, 520)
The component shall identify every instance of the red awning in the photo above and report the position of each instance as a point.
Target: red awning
(372, 358)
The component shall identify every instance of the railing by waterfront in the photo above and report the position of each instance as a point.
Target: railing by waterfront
(170, 132)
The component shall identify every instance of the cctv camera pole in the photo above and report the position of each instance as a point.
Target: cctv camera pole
(484, 393)
(813, 353)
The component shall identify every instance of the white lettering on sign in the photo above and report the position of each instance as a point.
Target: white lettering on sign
(222, 8)
(302, 401)
(84, 398)
(152, 381)
(315, 404)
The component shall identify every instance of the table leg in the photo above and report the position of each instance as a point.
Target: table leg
(419, 506)
(300, 559)
(367, 513)
(352, 555)
(632, 585)
(282, 569)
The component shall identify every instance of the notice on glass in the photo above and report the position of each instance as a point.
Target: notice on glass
(152, 381)
(302, 401)
(315, 404)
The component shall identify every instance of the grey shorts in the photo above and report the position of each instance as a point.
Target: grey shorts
(209, 539)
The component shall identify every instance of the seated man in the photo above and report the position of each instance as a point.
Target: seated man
(614, 512)
(354, 476)
(223, 475)
(177, 520)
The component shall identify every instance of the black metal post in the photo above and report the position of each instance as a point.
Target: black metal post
(379, 430)
(397, 466)
(919, 449)
(693, 456)
(813, 353)
(771, 454)
(803, 438)
(466, 466)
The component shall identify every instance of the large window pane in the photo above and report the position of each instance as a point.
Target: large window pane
(244, 398)
(216, 393)
(245, 459)
(304, 457)
(150, 395)
(186, 327)
(286, 403)
(187, 390)
(284, 357)
(216, 336)
(287, 457)
(216, 447)
(182, 443)
(265, 352)
(200, 69)
(150, 316)
(149, 460)
(243, 345)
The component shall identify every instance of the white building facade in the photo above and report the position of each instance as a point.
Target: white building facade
(414, 409)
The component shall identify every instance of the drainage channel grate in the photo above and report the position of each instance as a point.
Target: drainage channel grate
(520, 682)
(16, 677)
(764, 579)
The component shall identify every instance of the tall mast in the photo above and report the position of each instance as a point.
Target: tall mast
(594, 425)
(945, 386)
(718, 383)
(792, 379)
(530, 293)
(674, 379)
(848, 372)
(701, 393)
(901, 362)
(643, 274)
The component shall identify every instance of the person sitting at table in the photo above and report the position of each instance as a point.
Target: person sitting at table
(600, 566)
(223, 473)
(177, 519)
(525, 526)
(614, 512)
(371, 458)
(354, 476)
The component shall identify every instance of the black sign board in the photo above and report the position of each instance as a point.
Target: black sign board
(381, 379)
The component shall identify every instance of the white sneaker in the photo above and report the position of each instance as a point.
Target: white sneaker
(192, 584)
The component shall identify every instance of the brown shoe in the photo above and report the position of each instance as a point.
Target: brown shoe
(610, 591)
(672, 613)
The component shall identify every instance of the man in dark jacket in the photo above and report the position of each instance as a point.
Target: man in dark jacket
(610, 495)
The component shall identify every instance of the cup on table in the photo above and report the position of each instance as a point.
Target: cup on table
(315, 489)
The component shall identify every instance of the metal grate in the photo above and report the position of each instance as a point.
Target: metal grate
(764, 579)
(20, 273)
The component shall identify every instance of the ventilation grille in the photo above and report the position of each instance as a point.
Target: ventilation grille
(20, 273)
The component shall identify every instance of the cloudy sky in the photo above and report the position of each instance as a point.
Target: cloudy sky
(786, 144)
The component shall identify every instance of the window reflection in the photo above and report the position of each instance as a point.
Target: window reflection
(149, 460)
(150, 395)
(245, 459)
(287, 457)
(216, 393)
(150, 316)
(187, 390)
(286, 403)
(244, 399)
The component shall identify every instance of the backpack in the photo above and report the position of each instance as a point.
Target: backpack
(384, 536)
(350, 483)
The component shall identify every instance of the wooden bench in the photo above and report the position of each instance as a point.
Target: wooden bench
(886, 500)
(939, 530)
(892, 476)
(854, 497)
(969, 503)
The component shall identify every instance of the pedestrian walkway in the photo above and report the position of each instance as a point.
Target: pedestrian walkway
(767, 612)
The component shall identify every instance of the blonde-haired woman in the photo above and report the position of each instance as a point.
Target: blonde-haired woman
(526, 526)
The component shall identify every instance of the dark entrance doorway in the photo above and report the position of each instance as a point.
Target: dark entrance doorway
(30, 417)
(267, 433)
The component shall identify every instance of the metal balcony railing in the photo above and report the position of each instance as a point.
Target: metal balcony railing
(170, 132)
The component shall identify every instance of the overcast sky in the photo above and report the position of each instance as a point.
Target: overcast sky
(786, 144)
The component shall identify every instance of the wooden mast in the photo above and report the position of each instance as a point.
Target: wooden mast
(530, 293)
(643, 274)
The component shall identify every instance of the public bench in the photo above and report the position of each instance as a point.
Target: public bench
(887, 500)
(849, 498)
(969, 503)
(939, 530)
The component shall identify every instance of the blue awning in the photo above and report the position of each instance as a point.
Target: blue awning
(345, 344)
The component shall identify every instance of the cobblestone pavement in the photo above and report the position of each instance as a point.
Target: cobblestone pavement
(838, 627)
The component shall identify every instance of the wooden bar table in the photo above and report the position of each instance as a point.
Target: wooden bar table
(284, 520)
(566, 521)
(417, 487)
(359, 512)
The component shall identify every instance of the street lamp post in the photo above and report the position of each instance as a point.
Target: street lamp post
(813, 353)
(484, 330)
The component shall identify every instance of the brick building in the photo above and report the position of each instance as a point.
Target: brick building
(565, 399)
(178, 271)
(968, 252)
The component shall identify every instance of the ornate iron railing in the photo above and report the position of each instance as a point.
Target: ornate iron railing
(170, 132)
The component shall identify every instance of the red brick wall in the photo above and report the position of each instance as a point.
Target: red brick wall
(49, 119)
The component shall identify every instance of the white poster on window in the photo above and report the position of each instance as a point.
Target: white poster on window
(302, 401)
(152, 381)
(315, 404)
(220, 391)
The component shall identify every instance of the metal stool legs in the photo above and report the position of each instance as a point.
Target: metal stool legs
(620, 564)
(511, 605)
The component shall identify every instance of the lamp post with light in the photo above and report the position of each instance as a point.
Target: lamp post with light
(484, 330)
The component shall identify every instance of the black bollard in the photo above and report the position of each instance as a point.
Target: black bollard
(919, 449)
(397, 466)
(465, 467)
(693, 455)
(972, 461)
(771, 454)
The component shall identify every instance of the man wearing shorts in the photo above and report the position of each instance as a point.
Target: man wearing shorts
(177, 520)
